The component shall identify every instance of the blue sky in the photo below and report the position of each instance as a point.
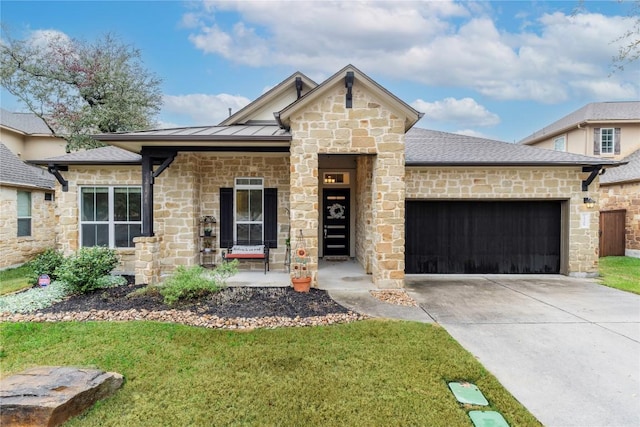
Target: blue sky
(499, 69)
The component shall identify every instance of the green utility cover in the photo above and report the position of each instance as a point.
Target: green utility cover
(468, 393)
(487, 419)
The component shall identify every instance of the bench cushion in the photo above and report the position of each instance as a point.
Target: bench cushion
(244, 256)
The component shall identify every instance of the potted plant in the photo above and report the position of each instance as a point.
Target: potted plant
(301, 279)
(207, 231)
(206, 246)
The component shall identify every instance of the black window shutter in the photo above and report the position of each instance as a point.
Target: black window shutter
(616, 141)
(226, 217)
(271, 217)
(596, 141)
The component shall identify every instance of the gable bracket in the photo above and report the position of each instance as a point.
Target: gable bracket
(299, 87)
(348, 83)
(595, 170)
(55, 171)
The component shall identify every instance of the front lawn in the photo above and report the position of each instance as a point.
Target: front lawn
(14, 279)
(369, 373)
(621, 273)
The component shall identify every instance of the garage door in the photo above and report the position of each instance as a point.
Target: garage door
(482, 237)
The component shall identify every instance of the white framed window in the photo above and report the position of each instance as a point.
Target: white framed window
(560, 143)
(24, 213)
(249, 211)
(607, 142)
(110, 216)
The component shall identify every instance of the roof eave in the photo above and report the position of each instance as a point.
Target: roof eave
(502, 164)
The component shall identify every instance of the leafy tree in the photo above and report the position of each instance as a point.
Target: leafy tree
(80, 88)
(629, 51)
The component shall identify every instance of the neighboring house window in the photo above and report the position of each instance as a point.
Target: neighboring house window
(248, 210)
(606, 141)
(24, 213)
(110, 216)
(559, 144)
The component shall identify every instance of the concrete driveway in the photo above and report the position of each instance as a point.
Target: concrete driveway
(568, 349)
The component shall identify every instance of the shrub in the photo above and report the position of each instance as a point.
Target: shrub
(34, 298)
(83, 271)
(193, 282)
(47, 262)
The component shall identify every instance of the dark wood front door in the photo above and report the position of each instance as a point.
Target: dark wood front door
(612, 229)
(335, 211)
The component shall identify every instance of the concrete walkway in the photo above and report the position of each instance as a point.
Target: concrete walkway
(568, 349)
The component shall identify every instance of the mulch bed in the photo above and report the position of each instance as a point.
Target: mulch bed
(231, 302)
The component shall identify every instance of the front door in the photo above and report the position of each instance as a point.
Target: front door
(335, 208)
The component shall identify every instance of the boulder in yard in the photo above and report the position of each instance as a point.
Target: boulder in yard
(50, 395)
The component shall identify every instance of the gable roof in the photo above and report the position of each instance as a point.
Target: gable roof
(96, 156)
(624, 173)
(395, 103)
(425, 147)
(26, 123)
(15, 171)
(595, 112)
(245, 114)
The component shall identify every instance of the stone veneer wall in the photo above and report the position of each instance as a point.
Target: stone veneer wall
(328, 127)
(364, 178)
(16, 250)
(218, 171)
(67, 209)
(625, 196)
(519, 184)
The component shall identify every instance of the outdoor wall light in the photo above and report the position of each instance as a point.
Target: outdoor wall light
(589, 202)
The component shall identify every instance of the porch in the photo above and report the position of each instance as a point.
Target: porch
(332, 275)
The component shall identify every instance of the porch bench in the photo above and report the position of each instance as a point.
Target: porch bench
(246, 252)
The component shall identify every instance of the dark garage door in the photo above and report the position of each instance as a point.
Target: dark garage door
(482, 237)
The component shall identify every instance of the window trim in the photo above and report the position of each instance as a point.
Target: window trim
(564, 143)
(110, 222)
(236, 187)
(613, 142)
(29, 217)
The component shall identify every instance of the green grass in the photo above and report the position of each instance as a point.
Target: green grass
(370, 373)
(621, 273)
(14, 279)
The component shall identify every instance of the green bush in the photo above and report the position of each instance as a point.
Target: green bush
(83, 271)
(47, 262)
(193, 282)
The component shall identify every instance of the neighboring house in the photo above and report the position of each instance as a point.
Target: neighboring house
(610, 130)
(620, 204)
(28, 137)
(339, 162)
(27, 221)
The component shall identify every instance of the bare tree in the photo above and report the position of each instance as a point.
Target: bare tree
(80, 88)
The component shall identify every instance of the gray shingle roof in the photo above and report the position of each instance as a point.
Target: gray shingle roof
(102, 155)
(15, 171)
(430, 147)
(596, 111)
(27, 123)
(624, 173)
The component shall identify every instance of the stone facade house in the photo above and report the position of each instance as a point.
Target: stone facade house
(609, 130)
(26, 192)
(340, 163)
(27, 218)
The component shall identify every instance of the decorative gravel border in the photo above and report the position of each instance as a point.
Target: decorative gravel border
(394, 296)
(186, 318)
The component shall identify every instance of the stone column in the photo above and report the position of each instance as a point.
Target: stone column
(147, 260)
(388, 219)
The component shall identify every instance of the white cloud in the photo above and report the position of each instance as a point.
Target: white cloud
(465, 111)
(548, 58)
(44, 38)
(202, 109)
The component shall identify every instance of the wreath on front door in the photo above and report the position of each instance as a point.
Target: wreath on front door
(336, 211)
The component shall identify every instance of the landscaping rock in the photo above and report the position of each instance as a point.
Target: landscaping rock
(50, 395)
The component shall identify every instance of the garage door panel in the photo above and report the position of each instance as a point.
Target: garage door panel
(482, 237)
